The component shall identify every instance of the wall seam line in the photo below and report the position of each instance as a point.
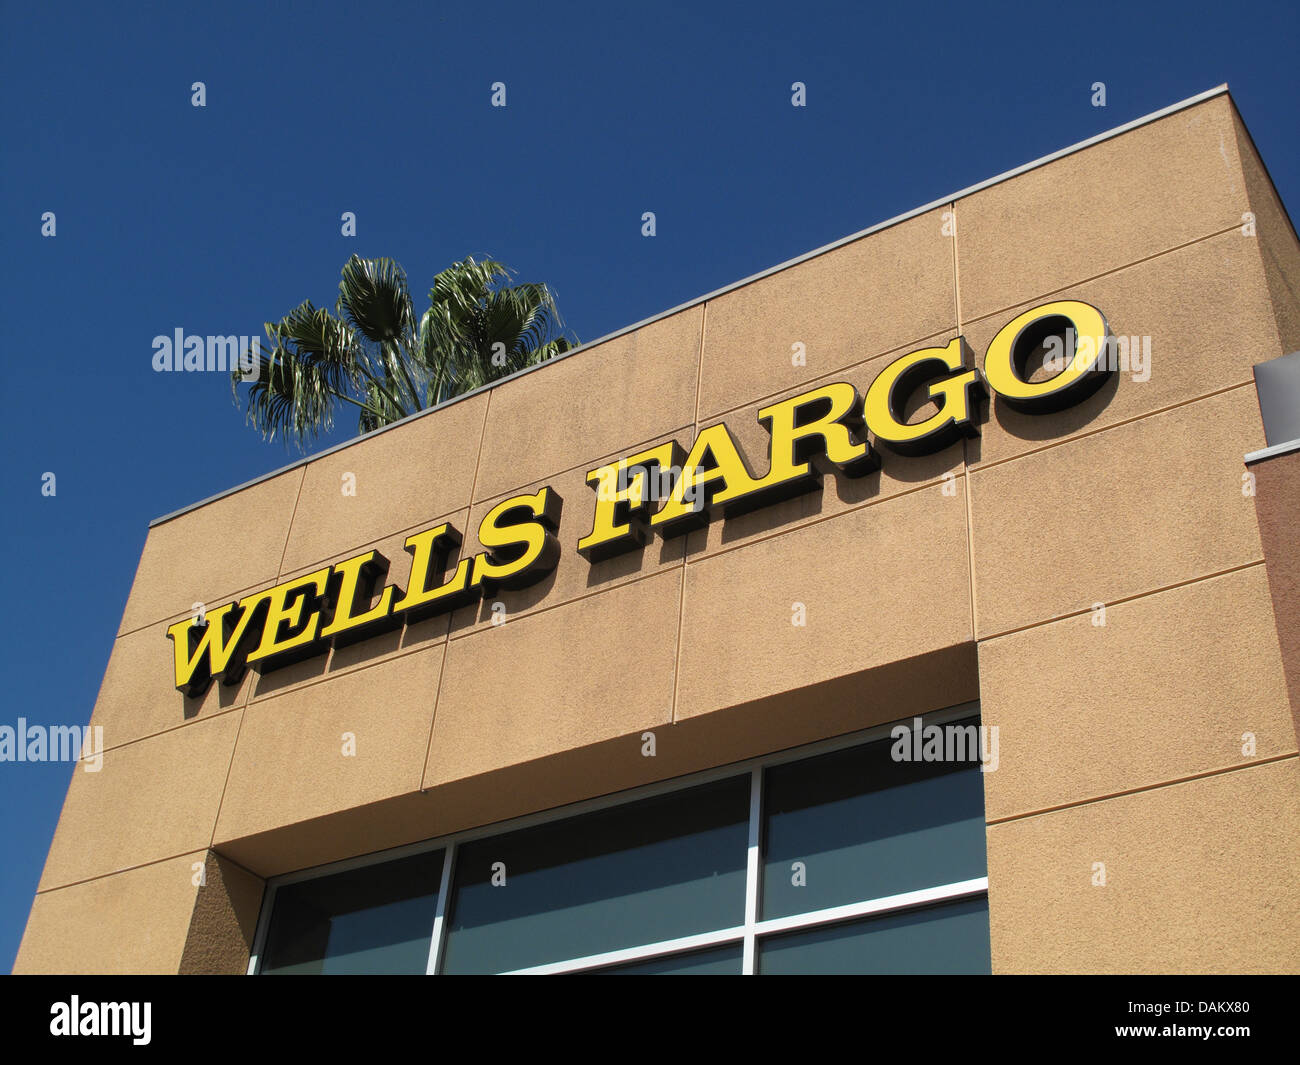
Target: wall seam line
(293, 517)
(587, 462)
(821, 518)
(1087, 434)
(237, 594)
(1141, 789)
(446, 642)
(758, 401)
(965, 445)
(356, 549)
(686, 540)
(1145, 593)
(404, 652)
(173, 728)
(1212, 235)
(239, 728)
(478, 458)
(126, 869)
(437, 694)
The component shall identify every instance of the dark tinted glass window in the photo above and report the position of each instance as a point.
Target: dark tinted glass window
(952, 938)
(376, 919)
(864, 826)
(648, 871)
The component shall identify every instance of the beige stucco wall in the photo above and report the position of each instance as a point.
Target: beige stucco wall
(1120, 744)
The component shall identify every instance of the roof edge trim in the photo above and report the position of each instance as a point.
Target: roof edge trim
(1136, 123)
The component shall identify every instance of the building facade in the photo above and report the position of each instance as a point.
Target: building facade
(939, 655)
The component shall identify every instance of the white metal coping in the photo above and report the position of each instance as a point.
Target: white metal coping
(1164, 112)
(1272, 452)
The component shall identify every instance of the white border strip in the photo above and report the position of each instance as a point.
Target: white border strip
(263, 923)
(1154, 116)
(633, 954)
(439, 920)
(962, 889)
(753, 871)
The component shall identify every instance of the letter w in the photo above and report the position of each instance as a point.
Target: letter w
(218, 648)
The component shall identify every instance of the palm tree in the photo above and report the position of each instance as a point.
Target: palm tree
(372, 353)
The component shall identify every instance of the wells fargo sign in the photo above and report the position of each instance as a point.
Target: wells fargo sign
(663, 489)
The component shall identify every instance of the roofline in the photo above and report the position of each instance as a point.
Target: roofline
(1136, 123)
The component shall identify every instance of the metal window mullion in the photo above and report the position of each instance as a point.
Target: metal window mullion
(643, 952)
(263, 926)
(439, 920)
(747, 967)
(878, 907)
(910, 900)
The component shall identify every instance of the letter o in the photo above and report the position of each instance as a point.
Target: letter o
(1087, 371)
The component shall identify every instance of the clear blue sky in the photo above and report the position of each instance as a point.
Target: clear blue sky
(217, 219)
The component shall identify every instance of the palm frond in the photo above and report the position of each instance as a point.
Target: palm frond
(373, 297)
(374, 355)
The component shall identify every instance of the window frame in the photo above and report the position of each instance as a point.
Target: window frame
(747, 934)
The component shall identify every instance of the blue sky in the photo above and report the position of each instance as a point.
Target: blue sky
(220, 218)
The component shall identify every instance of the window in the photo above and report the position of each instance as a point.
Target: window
(372, 919)
(650, 871)
(839, 858)
(948, 938)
